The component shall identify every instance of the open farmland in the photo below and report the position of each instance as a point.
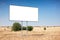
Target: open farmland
(38, 33)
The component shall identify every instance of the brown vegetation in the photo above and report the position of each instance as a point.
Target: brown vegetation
(38, 33)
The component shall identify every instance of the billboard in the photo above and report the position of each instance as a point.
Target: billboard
(23, 13)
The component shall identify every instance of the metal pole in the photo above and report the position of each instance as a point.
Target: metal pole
(21, 27)
(26, 27)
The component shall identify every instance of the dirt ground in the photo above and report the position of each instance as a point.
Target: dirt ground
(38, 33)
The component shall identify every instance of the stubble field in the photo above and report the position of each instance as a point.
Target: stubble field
(38, 33)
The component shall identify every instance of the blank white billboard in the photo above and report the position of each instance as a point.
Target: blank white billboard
(23, 13)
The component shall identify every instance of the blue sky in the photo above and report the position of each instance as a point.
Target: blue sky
(49, 11)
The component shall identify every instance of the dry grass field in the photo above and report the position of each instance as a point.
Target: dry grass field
(38, 33)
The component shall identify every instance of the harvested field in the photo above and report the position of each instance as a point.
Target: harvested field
(38, 33)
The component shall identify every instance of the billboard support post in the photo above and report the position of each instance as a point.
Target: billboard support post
(22, 33)
(21, 27)
(26, 27)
